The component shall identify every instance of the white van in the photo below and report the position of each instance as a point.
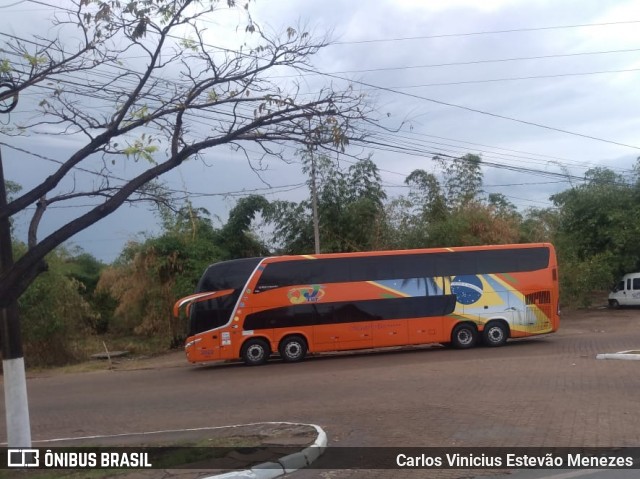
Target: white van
(626, 292)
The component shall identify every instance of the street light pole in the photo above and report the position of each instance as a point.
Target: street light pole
(314, 205)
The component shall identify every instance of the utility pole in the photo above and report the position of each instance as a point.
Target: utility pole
(15, 382)
(314, 204)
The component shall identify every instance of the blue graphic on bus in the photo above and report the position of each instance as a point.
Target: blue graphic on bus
(468, 289)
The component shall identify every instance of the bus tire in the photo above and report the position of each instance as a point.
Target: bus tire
(495, 334)
(464, 336)
(613, 304)
(293, 349)
(255, 352)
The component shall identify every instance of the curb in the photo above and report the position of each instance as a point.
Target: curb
(628, 355)
(286, 464)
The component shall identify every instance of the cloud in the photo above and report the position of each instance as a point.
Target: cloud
(369, 36)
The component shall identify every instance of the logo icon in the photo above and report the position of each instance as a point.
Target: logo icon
(306, 294)
(23, 457)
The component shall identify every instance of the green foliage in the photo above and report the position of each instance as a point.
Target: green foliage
(462, 179)
(581, 278)
(598, 231)
(425, 196)
(5, 66)
(85, 269)
(11, 188)
(350, 210)
(540, 225)
(34, 60)
(293, 227)
(54, 315)
(475, 223)
(450, 210)
(150, 275)
(235, 238)
(141, 148)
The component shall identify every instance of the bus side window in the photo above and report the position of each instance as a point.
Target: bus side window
(628, 284)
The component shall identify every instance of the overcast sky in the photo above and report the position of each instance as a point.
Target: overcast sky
(461, 76)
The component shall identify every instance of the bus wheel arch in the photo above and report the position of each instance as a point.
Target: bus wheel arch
(495, 333)
(464, 335)
(255, 351)
(293, 348)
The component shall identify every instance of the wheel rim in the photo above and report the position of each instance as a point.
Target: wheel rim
(255, 353)
(293, 350)
(465, 337)
(495, 334)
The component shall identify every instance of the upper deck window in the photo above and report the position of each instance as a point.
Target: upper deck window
(412, 265)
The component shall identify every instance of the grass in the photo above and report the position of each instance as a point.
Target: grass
(84, 347)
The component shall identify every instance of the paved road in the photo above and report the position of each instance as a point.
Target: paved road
(548, 391)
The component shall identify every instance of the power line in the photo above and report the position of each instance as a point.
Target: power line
(439, 65)
(489, 32)
(518, 156)
(475, 110)
(495, 115)
(218, 112)
(533, 77)
(13, 4)
(476, 62)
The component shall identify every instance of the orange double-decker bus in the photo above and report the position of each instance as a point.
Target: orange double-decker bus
(251, 308)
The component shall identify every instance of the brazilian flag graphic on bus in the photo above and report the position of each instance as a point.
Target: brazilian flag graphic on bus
(478, 298)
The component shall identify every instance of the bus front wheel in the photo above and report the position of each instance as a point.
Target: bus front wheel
(464, 336)
(255, 352)
(293, 349)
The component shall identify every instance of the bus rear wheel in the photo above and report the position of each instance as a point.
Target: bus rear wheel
(464, 336)
(293, 349)
(255, 352)
(495, 334)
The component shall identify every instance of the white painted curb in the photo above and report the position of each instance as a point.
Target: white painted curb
(286, 464)
(621, 355)
(266, 470)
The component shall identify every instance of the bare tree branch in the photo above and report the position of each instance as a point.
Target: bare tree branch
(144, 84)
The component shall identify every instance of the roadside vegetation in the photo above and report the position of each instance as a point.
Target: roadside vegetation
(79, 303)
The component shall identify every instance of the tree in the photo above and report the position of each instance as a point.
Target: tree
(540, 225)
(462, 178)
(350, 210)
(141, 84)
(236, 238)
(55, 314)
(598, 230)
(451, 210)
(138, 82)
(149, 275)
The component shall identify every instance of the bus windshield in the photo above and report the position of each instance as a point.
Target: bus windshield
(216, 312)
